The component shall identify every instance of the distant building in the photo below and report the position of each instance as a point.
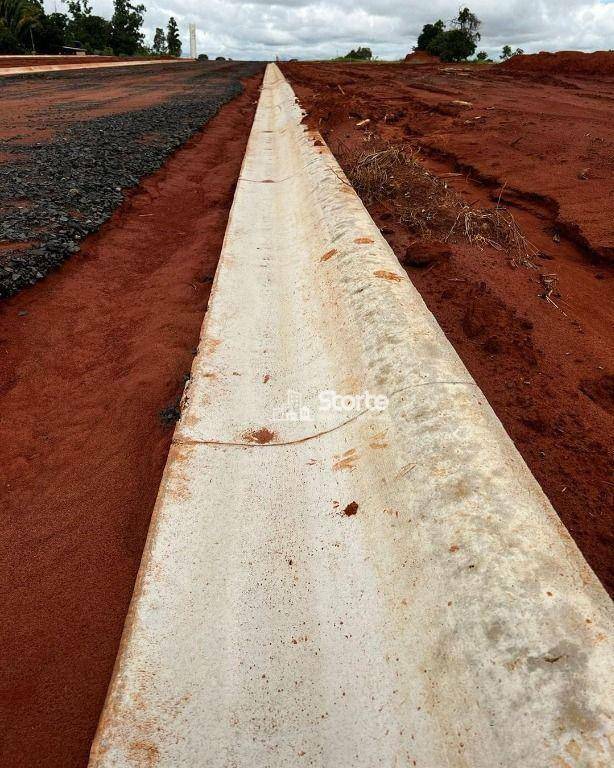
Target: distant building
(75, 49)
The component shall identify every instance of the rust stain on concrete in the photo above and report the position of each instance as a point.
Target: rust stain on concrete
(260, 436)
(346, 461)
(385, 275)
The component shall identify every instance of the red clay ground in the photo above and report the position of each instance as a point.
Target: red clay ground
(568, 63)
(544, 145)
(86, 368)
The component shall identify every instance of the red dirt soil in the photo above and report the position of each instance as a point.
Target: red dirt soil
(547, 371)
(598, 64)
(86, 369)
(421, 57)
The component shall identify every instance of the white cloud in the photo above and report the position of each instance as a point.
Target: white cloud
(321, 28)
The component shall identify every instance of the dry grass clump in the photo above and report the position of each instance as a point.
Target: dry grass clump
(495, 227)
(427, 205)
(372, 172)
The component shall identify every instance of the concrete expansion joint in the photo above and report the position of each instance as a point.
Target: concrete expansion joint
(316, 435)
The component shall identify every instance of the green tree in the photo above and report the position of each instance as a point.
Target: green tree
(362, 54)
(80, 11)
(19, 19)
(459, 43)
(481, 56)
(50, 35)
(452, 45)
(96, 34)
(507, 52)
(173, 41)
(468, 23)
(9, 42)
(126, 23)
(159, 42)
(17, 15)
(428, 34)
(92, 32)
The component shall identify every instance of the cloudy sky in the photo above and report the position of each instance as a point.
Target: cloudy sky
(308, 29)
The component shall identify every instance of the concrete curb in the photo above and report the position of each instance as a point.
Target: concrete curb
(34, 70)
(346, 588)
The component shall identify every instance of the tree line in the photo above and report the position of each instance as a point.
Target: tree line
(456, 42)
(26, 28)
(459, 41)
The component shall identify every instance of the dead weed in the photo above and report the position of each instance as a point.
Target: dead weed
(426, 204)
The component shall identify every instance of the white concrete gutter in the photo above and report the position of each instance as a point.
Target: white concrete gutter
(449, 621)
(34, 70)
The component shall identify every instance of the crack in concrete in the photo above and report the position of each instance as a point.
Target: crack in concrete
(307, 438)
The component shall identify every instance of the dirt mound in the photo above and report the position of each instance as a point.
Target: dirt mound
(564, 63)
(421, 57)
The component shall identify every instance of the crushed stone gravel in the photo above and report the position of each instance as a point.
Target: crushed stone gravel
(52, 194)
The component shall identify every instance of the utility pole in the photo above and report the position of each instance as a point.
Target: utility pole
(192, 41)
